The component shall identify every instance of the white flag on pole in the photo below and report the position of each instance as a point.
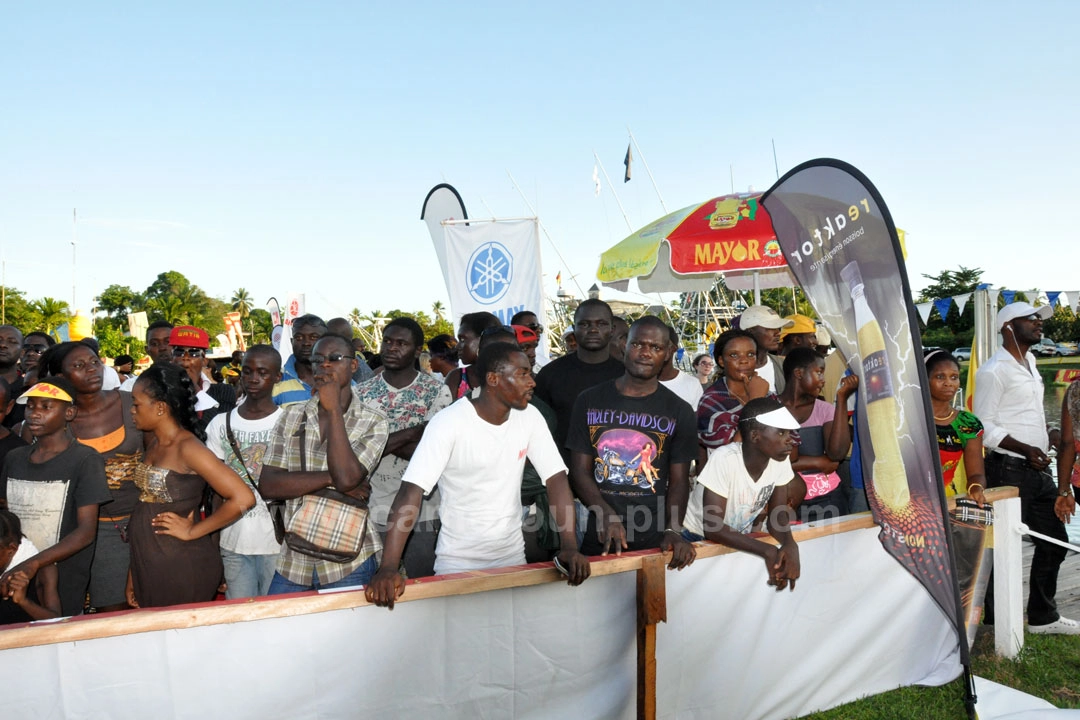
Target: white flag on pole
(494, 267)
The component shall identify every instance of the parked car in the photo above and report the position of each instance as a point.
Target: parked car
(1067, 349)
(962, 353)
(1045, 348)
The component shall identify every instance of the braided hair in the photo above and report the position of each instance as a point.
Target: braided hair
(171, 385)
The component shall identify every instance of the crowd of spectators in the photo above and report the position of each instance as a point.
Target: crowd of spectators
(337, 468)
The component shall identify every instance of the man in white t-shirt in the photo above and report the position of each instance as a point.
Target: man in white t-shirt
(685, 385)
(475, 450)
(743, 478)
(249, 548)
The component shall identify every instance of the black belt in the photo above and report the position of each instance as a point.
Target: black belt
(1009, 460)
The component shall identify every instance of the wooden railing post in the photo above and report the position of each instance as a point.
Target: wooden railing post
(651, 609)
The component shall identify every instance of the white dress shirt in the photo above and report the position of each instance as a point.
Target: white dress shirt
(1009, 402)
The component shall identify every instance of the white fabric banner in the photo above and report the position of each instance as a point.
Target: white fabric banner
(856, 624)
(961, 301)
(494, 267)
(548, 651)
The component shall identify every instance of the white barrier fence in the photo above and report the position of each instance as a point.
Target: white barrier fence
(514, 643)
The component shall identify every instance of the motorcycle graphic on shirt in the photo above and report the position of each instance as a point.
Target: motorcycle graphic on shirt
(624, 458)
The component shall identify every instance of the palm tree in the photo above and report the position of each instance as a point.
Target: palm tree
(355, 316)
(170, 308)
(241, 303)
(51, 313)
(438, 308)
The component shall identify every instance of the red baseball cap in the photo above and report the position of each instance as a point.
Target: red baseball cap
(524, 334)
(189, 336)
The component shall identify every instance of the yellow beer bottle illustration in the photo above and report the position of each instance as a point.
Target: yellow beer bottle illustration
(882, 413)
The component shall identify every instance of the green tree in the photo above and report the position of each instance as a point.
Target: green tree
(241, 303)
(439, 309)
(785, 302)
(1062, 326)
(950, 282)
(16, 311)
(49, 313)
(116, 301)
(174, 298)
(261, 326)
(431, 327)
(955, 329)
(114, 341)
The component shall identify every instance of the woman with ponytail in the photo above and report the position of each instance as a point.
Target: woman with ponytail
(174, 556)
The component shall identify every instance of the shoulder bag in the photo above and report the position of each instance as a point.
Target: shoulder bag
(276, 507)
(329, 524)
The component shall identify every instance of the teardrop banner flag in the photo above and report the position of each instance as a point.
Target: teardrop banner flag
(841, 244)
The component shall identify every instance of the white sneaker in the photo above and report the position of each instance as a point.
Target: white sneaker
(1061, 626)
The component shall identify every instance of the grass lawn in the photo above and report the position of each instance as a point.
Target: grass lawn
(1048, 667)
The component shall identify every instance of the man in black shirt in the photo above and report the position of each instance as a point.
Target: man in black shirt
(632, 441)
(561, 381)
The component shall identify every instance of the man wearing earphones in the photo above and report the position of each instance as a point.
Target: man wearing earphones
(1009, 402)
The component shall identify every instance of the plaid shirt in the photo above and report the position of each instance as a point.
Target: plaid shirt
(367, 430)
(718, 414)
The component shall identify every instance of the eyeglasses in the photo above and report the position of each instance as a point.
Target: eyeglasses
(178, 352)
(538, 329)
(332, 357)
(35, 348)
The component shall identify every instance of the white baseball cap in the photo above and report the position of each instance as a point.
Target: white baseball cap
(762, 316)
(1016, 310)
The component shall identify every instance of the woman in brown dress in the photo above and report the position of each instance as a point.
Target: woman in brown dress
(174, 555)
(104, 423)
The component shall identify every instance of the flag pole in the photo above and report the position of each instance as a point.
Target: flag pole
(74, 237)
(647, 170)
(546, 233)
(614, 194)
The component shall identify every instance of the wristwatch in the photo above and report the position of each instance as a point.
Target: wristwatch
(1066, 492)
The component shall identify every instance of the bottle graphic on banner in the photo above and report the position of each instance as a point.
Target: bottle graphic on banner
(882, 412)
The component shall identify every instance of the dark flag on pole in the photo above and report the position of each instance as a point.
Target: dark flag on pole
(629, 159)
(840, 243)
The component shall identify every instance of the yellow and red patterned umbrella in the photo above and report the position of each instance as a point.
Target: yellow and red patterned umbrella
(684, 251)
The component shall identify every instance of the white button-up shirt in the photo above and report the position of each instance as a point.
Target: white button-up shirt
(1009, 402)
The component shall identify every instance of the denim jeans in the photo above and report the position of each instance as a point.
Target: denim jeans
(247, 575)
(360, 576)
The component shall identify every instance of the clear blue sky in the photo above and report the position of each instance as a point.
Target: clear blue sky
(289, 146)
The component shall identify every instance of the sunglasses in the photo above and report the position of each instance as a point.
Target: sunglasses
(538, 329)
(188, 352)
(35, 348)
(332, 357)
(498, 329)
